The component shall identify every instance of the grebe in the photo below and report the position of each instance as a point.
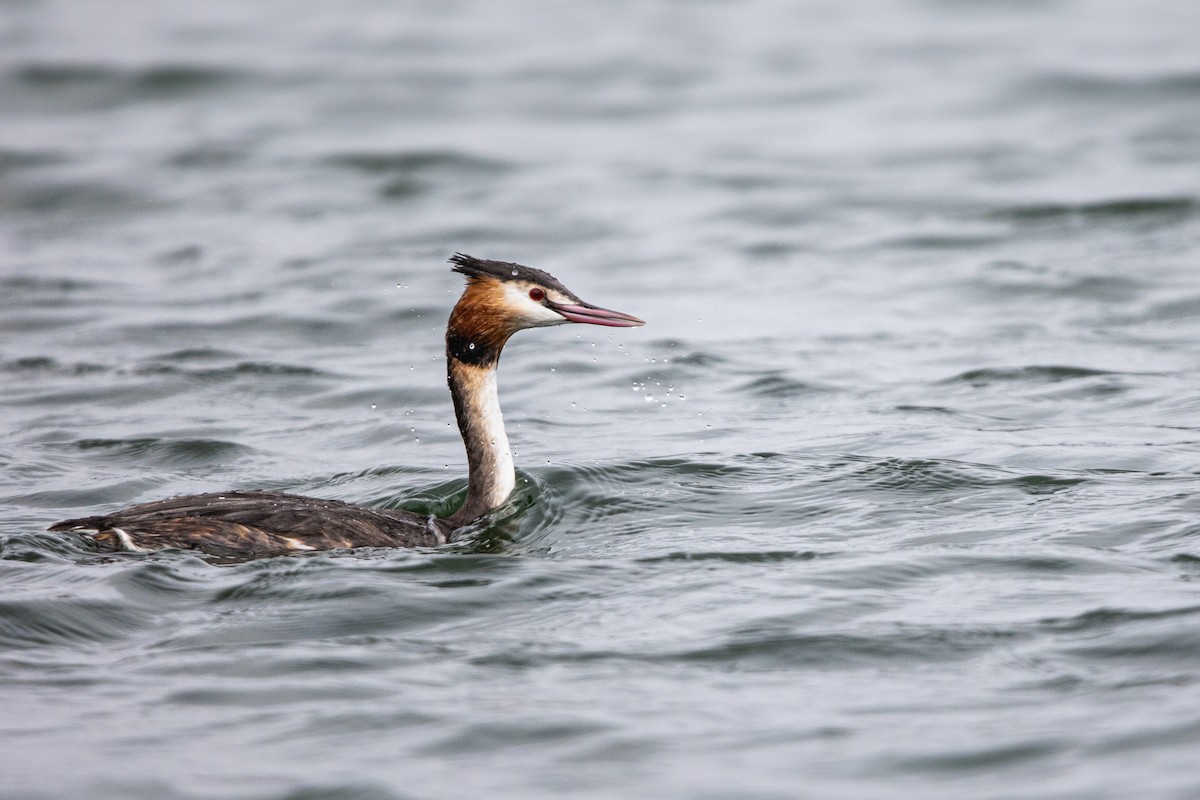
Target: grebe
(500, 299)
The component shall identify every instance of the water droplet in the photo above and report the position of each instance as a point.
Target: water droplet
(514, 273)
(471, 346)
(649, 398)
(373, 406)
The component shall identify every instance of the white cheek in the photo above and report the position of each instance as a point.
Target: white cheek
(531, 312)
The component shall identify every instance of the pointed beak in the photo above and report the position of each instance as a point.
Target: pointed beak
(585, 312)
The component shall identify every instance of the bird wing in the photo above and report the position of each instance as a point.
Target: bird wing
(260, 523)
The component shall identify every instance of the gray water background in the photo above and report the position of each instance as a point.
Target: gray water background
(894, 496)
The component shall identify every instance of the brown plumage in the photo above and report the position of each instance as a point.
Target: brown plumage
(500, 299)
(480, 324)
(257, 524)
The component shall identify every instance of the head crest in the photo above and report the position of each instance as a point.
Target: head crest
(482, 269)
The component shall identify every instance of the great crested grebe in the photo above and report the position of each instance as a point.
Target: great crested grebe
(500, 299)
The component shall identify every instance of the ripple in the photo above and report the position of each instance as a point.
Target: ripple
(158, 452)
(1102, 619)
(188, 355)
(1032, 374)
(208, 156)
(62, 197)
(407, 174)
(975, 759)
(1021, 281)
(50, 622)
(414, 161)
(521, 733)
(779, 386)
(597, 491)
(242, 369)
(695, 358)
(880, 549)
(151, 584)
(83, 85)
(944, 241)
(922, 475)
(52, 366)
(43, 285)
(737, 557)
(327, 595)
(1162, 210)
(1077, 86)
(41, 547)
(1184, 308)
(17, 160)
(757, 649)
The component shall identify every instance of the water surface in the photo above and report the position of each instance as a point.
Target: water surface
(894, 496)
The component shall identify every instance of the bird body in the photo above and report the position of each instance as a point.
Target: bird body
(256, 523)
(500, 299)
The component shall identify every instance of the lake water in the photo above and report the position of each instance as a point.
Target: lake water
(896, 495)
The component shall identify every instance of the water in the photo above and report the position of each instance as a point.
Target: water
(894, 496)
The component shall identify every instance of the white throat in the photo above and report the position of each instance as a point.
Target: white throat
(491, 474)
(495, 439)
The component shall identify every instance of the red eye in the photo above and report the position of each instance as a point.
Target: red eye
(537, 294)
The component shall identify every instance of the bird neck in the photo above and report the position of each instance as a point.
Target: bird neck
(491, 476)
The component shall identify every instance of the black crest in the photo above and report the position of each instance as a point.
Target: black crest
(479, 268)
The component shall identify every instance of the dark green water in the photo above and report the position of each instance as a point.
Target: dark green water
(894, 496)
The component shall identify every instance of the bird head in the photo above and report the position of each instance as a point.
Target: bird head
(519, 297)
(502, 298)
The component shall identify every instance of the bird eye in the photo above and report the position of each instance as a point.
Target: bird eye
(537, 294)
